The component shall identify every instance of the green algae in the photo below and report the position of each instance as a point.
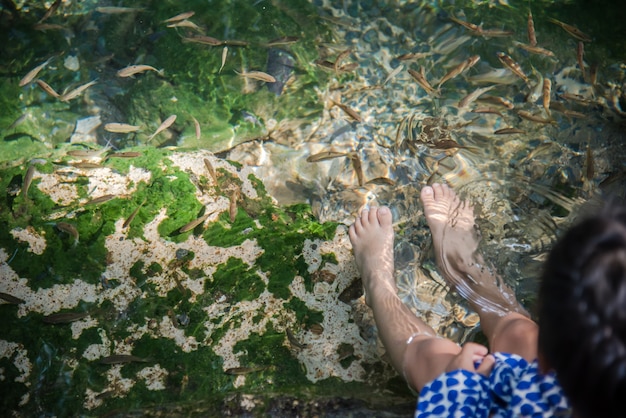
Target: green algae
(304, 315)
(263, 350)
(236, 280)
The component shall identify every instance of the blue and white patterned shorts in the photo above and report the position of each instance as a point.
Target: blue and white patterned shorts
(515, 388)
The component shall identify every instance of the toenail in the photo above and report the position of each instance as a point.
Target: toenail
(427, 190)
(384, 210)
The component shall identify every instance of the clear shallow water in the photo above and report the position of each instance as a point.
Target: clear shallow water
(525, 186)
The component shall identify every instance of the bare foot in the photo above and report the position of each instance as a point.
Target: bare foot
(371, 236)
(456, 239)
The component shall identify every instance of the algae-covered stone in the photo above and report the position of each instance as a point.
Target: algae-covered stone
(161, 316)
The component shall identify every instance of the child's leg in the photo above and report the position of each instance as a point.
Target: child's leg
(413, 347)
(504, 321)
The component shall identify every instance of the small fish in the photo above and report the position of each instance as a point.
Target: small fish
(68, 229)
(498, 100)
(348, 110)
(258, 75)
(203, 39)
(101, 199)
(574, 114)
(342, 56)
(211, 170)
(467, 25)
(85, 164)
(76, 92)
(325, 155)
(122, 359)
(236, 371)
(580, 52)
(534, 118)
(572, 30)
(487, 110)
(358, 168)
(473, 96)
(125, 154)
(293, 341)
(64, 317)
(576, 98)
(494, 76)
(589, 164)
(513, 66)
(532, 37)
(509, 131)
(413, 56)
(10, 298)
(120, 128)
(17, 121)
(191, 225)
(50, 11)
(185, 24)
(197, 126)
(163, 126)
(496, 33)
(533, 49)
(393, 73)
(224, 55)
(285, 40)
(446, 144)
(30, 76)
(88, 153)
(420, 77)
(131, 70)
(547, 92)
(118, 10)
(133, 215)
(232, 209)
(465, 65)
(179, 17)
(47, 88)
(28, 179)
(325, 64)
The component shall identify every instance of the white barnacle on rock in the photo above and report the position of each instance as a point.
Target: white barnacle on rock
(97, 351)
(168, 330)
(246, 313)
(36, 243)
(10, 349)
(106, 181)
(154, 377)
(59, 296)
(79, 326)
(57, 187)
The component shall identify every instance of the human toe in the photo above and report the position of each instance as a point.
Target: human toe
(427, 194)
(440, 191)
(384, 216)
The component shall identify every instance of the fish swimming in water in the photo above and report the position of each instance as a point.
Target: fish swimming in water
(163, 126)
(122, 359)
(64, 317)
(131, 70)
(30, 76)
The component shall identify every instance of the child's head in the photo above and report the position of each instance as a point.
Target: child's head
(582, 313)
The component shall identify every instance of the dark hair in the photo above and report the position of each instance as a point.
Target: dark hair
(582, 313)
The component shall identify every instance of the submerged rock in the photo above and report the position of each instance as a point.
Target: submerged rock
(280, 64)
